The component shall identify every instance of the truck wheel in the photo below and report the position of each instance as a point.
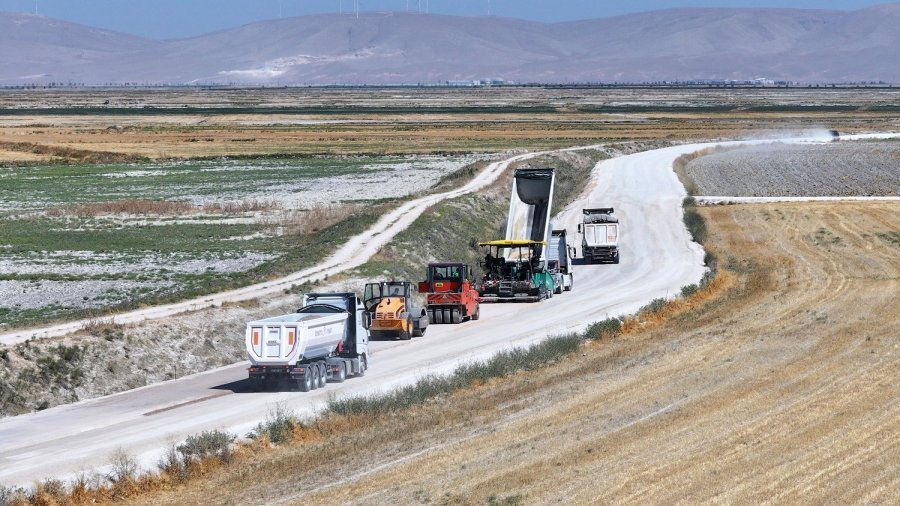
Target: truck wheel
(406, 334)
(559, 289)
(448, 316)
(477, 314)
(363, 365)
(431, 318)
(341, 374)
(305, 384)
(616, 259)
(323, 375)
(314, 377)
(571, 284)
(455, 315)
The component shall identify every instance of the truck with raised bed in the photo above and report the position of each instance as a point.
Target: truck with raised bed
(325, 340)
(600, 235)
(450, 294)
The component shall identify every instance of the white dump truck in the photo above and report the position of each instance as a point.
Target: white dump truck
(559, 261)
(325, 340)
(600, 235)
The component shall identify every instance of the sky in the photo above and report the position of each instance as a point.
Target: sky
(168, 19)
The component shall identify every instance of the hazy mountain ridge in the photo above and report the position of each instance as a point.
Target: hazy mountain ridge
(782, 44)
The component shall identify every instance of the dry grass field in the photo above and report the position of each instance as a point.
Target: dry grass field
(121, 125)
(781, 388)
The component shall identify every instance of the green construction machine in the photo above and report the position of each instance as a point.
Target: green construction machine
(514, 271)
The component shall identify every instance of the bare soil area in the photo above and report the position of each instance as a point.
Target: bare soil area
(119, 125)
(782, 389)
(837, 169)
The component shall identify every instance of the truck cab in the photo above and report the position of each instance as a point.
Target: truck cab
(559, 261)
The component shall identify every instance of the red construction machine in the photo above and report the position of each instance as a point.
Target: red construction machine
(450, 293)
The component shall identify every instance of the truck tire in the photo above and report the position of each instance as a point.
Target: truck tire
(571, 284)
(323, 374)
(559, 289)
(406, 334)
(314, 377)
(477, 314)
(616, 259)
(363, 365)
(305, 384)
(447, 316)
(455, 315)
(341, 375)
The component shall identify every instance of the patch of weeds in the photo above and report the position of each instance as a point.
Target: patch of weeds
(502, 364)
(890, 237)
(11, 495)
(742, 266)
(421, 496)
(278, 427)
(694, 221)
(49, 491)
(605, 329)
(825, 236)
(653, 307)
(208, 444)
(123, 468)
(510, 500)
(688, 290)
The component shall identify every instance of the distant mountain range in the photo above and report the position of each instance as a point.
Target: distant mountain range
(808, 46)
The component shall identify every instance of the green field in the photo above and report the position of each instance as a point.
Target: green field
(81, 240)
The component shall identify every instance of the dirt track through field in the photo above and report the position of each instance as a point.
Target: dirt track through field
(784, 391)
(353, 253)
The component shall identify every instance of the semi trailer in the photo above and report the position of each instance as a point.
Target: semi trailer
(600, 235)
(325, 340)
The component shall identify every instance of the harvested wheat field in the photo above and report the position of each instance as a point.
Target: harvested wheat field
(779, 387)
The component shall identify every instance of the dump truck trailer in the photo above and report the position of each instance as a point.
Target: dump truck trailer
(600, 235)
(559, 261)
(325, 340)
(530, 204)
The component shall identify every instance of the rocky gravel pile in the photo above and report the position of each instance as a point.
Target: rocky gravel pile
(839, 169)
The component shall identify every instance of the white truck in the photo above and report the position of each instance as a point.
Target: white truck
(325, 340)
(559, 261)
(600, 235)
